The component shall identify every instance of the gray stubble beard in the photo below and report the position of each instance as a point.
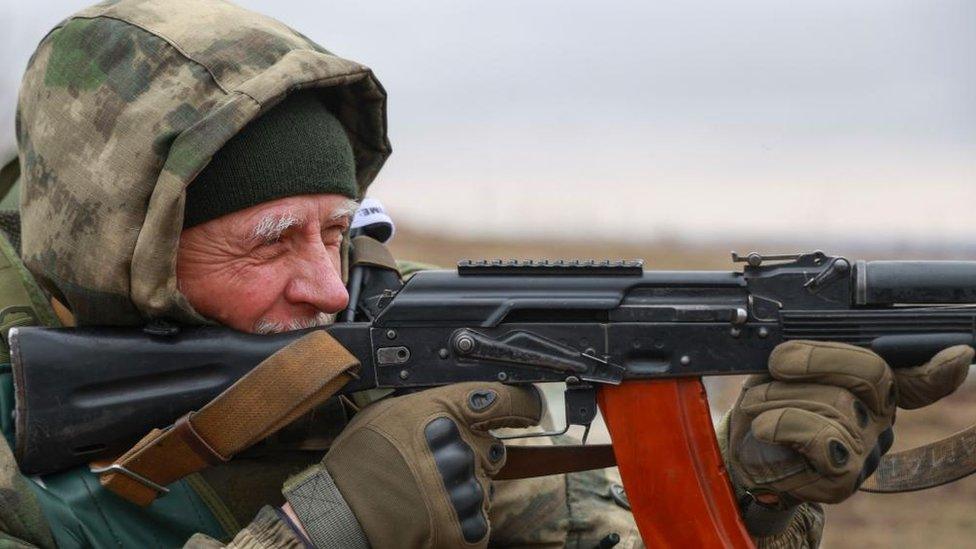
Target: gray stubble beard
(264, 326)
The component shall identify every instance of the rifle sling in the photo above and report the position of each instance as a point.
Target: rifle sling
(279, 390)
(926, 466)
(537, 461)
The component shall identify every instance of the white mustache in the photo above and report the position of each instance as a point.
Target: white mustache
(266, 326)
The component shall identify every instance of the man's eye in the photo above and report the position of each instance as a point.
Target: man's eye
(267, 244)
(269, 248)
(332, 235)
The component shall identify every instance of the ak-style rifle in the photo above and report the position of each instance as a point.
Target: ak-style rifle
(634, 343)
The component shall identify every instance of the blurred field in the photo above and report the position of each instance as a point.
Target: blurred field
(941, 517)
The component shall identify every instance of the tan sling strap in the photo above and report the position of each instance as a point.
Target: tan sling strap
(282, 388)
(926, 466)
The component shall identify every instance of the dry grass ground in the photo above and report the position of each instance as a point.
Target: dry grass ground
(940, 517)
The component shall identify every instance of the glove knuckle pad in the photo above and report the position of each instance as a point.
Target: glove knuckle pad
(496, 452)
(481, 399)
(455, 461)
(838, 452)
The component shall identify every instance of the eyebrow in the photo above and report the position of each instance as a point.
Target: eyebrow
(345, 210)
(270, 227)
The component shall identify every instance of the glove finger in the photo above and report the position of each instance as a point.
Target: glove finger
(484, 406)
(925, 384)
(473, 405)
(828, 401)
(825, 444)
(752, 386)
(765, 463)
(858, 370)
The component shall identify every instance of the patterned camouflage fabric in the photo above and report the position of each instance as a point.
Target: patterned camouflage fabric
(122, 105)
(265, 531)
(575, 510)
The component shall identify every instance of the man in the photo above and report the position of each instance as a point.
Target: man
(195, 162)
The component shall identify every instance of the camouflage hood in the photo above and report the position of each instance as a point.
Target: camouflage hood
(122, 105)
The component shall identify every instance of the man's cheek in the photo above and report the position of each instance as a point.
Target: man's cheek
(265, 289)
(252, 295)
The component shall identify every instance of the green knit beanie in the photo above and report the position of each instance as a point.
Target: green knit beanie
(297, 147)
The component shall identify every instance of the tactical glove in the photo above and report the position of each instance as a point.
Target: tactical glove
(817, 426)
(415, 470)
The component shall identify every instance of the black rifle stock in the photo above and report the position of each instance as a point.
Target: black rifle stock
(85, 393)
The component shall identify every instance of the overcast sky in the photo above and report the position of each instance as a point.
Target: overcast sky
(809, 120)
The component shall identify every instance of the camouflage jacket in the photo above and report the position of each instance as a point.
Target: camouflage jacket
(121, 105)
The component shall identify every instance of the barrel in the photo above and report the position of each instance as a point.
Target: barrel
(915, 282)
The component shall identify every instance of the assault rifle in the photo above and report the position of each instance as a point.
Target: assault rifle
(633, 342)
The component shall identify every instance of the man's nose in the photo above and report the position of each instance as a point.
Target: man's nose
(318, 283)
